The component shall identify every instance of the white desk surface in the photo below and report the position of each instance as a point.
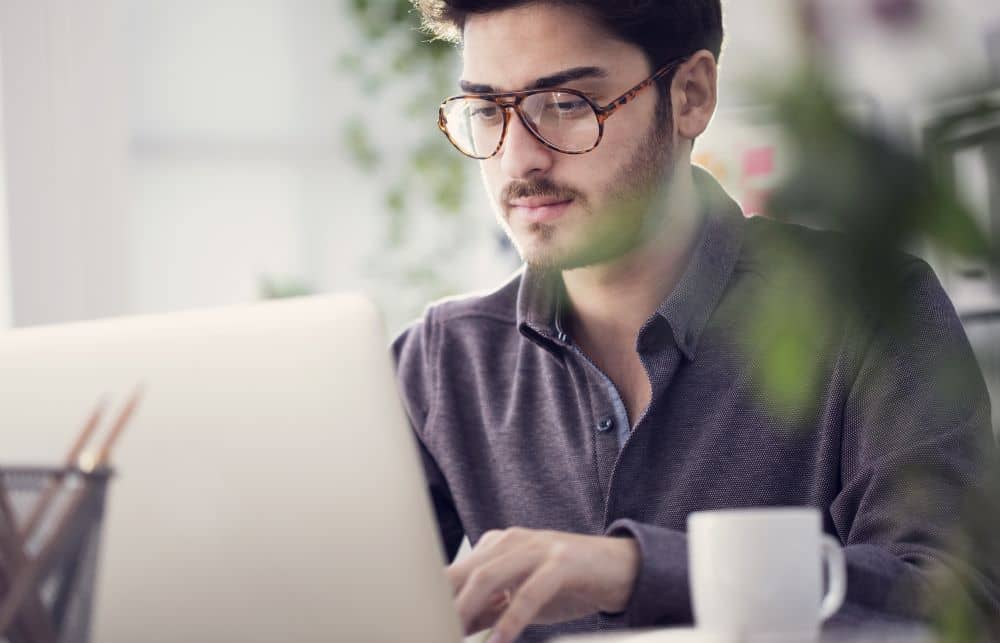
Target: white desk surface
(692, 635)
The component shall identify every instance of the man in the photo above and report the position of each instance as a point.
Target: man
(571, 420)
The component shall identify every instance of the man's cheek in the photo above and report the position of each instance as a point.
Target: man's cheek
(491, 180)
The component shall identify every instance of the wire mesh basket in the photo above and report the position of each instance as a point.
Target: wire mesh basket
(50, 527)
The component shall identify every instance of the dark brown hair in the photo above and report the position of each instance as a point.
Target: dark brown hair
(663, 29)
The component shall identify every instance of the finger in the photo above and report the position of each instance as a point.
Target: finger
(488, 617)
(489, 537)
(528, 600)
(485, 582)
(491, 544)
(458, 571)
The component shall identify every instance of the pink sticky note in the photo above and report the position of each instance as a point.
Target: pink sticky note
(758, 161)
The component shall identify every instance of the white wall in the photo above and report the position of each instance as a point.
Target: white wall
(236, 114)
(165, 155)
(4, 252)
(231, 124)
(65, 143)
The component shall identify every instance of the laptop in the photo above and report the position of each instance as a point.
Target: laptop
(268, 487)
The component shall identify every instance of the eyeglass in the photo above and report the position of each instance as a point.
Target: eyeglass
(565, 120)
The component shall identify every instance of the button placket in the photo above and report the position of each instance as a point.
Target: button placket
(607, 443)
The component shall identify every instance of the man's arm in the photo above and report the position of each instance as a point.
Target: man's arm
(554, 576)
(916, 449)
(917, 404)
(449, 525)
(413, 352)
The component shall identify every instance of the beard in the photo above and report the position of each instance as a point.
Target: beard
(631, 215)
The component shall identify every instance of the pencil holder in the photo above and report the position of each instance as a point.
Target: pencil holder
(50, 528)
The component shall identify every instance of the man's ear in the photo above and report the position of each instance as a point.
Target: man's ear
(694, 93)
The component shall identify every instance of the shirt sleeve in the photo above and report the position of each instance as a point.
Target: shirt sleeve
(917, 451)
(661, 593)
(413, 351)
(916, 459)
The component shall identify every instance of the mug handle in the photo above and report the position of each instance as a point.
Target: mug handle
(836, 571)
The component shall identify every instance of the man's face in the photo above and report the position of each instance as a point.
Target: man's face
(567, 211)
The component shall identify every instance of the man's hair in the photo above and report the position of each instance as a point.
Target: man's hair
(663, 29)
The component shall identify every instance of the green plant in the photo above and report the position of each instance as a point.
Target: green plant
(425, 180)
(887, 198)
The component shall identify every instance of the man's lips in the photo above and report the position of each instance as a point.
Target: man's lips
(540, 209)
(537, 202)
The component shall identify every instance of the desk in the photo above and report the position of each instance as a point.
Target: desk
(691, 635)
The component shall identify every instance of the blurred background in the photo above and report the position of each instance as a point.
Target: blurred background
(161, 155)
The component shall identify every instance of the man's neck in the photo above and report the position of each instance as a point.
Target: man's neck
(609, 302)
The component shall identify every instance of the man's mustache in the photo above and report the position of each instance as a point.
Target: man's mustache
(537, 188)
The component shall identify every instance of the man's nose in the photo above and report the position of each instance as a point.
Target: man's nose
(522, 154)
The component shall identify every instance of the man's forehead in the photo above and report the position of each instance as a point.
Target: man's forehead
(515, 48)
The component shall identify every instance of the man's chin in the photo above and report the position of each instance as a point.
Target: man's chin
(562, 258)
(539, 247)
(560, 246)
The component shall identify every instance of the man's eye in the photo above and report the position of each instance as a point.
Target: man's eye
(570, 107)
(485, 113)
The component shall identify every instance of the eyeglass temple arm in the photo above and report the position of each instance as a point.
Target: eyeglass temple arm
(627, 97)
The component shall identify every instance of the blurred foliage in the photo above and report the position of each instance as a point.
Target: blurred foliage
(422, 174)
(884, 197)
(887, 197)
(959, 618)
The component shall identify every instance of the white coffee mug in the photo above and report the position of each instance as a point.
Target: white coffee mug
(760, 572)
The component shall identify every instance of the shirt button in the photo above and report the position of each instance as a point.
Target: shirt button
(605, 424)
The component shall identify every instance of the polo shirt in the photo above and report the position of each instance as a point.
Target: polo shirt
(517, 427)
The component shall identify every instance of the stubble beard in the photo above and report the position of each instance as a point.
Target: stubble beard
(633, 213)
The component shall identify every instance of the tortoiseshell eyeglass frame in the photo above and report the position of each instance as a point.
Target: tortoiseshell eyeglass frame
(512, 100)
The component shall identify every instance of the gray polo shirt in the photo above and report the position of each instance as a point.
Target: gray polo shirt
(518, 428)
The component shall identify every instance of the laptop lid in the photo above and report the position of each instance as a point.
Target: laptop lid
(268, 487)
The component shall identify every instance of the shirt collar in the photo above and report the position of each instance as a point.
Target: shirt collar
(693, 300)
(688, 307)
(538, 300)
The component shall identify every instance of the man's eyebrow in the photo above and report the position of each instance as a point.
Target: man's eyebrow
(554, 80)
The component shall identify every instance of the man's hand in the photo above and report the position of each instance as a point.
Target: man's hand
(520, 576)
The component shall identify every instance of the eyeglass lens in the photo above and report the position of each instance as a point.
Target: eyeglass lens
(563, 120)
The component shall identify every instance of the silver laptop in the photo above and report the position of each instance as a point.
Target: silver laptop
(268, 488)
